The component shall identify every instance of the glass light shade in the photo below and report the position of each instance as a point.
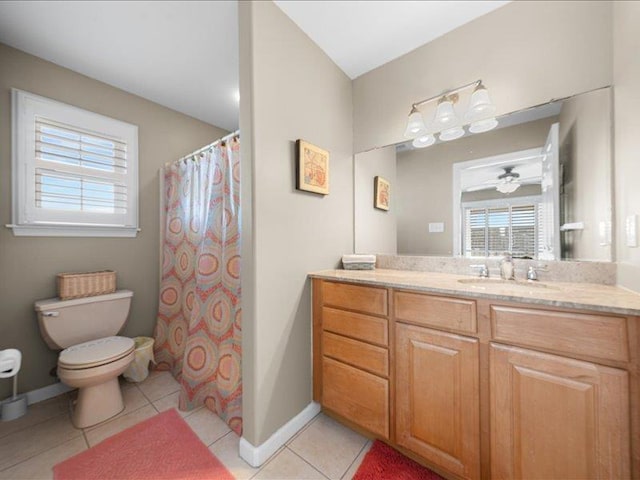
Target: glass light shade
(415, 124)
(507, 186)
(483, 125)
(424, 141)
(445, 115)
(480, 105)
(451, 134)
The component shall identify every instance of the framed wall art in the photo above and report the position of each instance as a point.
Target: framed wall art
(312, 168)
(381, 192)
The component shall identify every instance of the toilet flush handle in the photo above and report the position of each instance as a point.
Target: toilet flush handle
(50, 314)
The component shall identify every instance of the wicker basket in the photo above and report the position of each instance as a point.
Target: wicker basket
(76, 285)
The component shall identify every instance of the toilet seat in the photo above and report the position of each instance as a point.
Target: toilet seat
(95, 353)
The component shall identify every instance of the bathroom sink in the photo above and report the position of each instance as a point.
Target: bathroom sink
(485, 282)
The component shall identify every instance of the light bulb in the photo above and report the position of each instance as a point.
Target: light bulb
(415, 124)
(451, 134)
(424, 141)
(480, 105)
(445, 114)
(482, 126)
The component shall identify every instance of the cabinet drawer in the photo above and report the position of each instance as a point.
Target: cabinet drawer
(359, 354)
(355, 297)
(356, 325)
(356, 395)
(591, 335)
(444, 312)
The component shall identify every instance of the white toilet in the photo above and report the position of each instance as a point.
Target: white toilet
(93, 356)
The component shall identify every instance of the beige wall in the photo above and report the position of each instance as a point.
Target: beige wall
(626, 77)
(585, 153)
(29, 264)
(424, 189)
(294, 91)
(375, 230)
(526, 52)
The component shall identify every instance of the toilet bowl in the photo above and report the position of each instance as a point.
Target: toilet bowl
(93, 356)
(93, 367)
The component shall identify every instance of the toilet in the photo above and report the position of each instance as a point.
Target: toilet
(92, 354)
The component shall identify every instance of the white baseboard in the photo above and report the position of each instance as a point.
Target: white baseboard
(45, 393)
(256, 456)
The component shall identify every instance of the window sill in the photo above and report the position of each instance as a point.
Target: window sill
(72, 231)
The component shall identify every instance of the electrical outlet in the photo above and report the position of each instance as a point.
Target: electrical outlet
(631, 228)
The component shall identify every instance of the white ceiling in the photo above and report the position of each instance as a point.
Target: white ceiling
(180, 54)
(362, 35)
(184, 54)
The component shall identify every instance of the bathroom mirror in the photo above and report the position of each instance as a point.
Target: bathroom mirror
(539, 185)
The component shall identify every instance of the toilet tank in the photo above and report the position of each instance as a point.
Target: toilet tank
(64, 323)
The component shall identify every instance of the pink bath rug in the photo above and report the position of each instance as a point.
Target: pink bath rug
(161, 448)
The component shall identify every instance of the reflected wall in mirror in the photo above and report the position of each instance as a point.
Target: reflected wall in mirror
(538, 186)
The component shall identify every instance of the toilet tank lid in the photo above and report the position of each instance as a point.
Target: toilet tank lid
(48, 304)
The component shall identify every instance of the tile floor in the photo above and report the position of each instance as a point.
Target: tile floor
(33, 444)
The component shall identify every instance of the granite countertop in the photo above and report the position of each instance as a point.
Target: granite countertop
(587, 296)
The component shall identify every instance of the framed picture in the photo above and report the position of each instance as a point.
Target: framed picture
(312, 168)
(381, 191)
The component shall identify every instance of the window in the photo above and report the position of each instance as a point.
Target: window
(75, 173)
(494, 227)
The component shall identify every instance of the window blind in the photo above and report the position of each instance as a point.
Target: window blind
(491, 231)
(79, 170)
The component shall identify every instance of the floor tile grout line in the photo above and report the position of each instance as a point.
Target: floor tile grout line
(308, 463)
(114, 418)
(38, 453)
(86, 440)
(269, 460)
(219, 438)
(40, 422)
(354, 460)
(303, 429)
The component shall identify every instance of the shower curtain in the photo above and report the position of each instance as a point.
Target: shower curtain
(198, 331)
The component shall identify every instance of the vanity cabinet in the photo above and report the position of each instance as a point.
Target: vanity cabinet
(437, 407)
(351, 360)
(556, 417)
(477, 388)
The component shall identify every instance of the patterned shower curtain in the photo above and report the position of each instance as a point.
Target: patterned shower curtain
(199, 319)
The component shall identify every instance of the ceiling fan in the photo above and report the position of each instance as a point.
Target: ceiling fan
(507, 182)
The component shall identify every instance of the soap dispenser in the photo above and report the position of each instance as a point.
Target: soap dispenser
(507, 271)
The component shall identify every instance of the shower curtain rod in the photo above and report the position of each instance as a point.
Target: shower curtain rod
(205, 148)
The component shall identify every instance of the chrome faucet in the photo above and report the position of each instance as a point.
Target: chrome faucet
(507, 270)
(532, 272)
(483, 270)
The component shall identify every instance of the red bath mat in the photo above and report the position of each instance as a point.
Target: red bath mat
(161, 448)
(384, 463)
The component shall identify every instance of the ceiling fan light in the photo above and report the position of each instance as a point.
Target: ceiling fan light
(445, 114)
(415, 124)
(507, 186)
(424, 141)
(452, 133)
(482, 126)
(480, 104)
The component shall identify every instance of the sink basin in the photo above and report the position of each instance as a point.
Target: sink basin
(485, 282)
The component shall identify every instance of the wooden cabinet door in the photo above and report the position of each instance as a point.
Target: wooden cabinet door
(555, 417)
(437, 398)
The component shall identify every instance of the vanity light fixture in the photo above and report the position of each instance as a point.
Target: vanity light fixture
(445, 114)
(446, 124)
(415, 125)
